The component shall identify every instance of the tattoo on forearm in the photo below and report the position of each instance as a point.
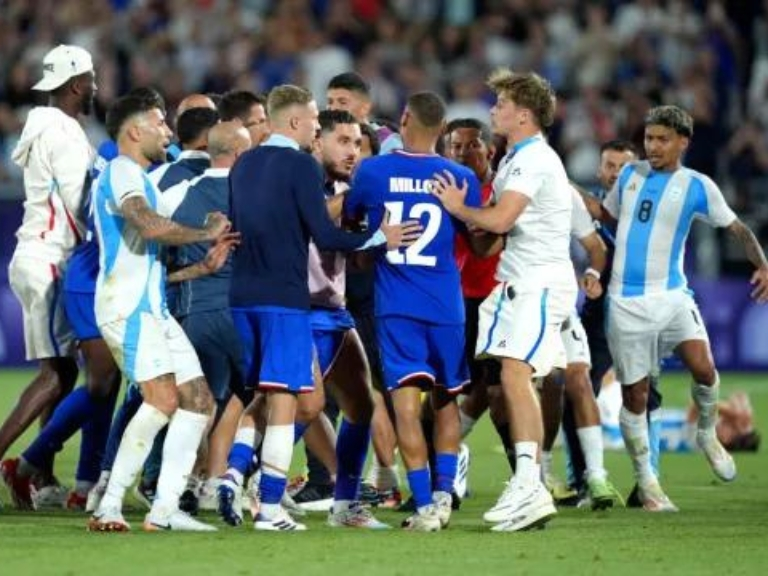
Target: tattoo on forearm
(158, 228)
(190, 272)
(749, 241)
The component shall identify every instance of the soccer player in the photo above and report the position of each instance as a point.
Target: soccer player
(419, 311)
(55, 155)
(520, 321)
(248, 108)
(277, 203)
(350, 92)
(148, 345)
(650, 311)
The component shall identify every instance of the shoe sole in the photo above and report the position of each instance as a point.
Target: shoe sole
(95, 525)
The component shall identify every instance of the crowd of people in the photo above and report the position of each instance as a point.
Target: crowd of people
(268, 271)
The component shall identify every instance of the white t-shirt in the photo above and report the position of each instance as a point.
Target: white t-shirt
(537, 253)
(131, 276)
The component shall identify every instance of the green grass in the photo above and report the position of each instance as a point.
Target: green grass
(721, 529)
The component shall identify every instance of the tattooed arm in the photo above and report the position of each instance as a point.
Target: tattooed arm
(153, 226)
(756, 256)
(214, 260)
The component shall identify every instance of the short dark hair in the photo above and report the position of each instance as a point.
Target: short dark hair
(472, 124)
(237, 104)
(194, 123)
(428, 108)
(328, 119)
(672, 117)
(619, 146)
(351, 81)
(137, 101)
(370, 132)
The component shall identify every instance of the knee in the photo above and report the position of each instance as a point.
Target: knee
(103, 384)
(165, 399)
(577, 382)
(635, 398)
(309, 407)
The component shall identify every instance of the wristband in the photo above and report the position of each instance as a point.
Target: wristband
(592, 272)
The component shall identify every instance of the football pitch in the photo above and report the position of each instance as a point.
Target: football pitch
(721, 529)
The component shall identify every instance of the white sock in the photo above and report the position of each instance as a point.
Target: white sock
(246, 436)
(591, 440)
(527, 469)
(134, 449)
(185, 432)
(276, 454)
(634, 430)
(466, 423)
(546, 463)
(705, 398)
(341, 505)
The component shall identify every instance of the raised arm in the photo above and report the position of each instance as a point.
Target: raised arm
(756, 256)
(153, 226)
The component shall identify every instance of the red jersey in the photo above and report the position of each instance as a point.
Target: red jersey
(477, 274)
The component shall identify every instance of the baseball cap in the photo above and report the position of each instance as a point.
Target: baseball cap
(61, 64)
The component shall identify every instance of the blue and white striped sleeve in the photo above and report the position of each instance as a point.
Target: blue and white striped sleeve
(718, 213)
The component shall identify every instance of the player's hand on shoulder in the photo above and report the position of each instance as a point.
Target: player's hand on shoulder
(447, 190)
(216, 224)
(403, 234)
(760, 282)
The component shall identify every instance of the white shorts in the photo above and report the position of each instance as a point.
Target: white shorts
(146, 347)
(525, 326)
(575, 341)
(643, 330)
(37, 283)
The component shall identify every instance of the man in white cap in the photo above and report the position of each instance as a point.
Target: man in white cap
(55, 155)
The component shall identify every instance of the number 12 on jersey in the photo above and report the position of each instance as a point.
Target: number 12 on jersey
(412, 255)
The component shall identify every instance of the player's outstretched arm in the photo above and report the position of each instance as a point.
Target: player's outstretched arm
(756, 256)
(214, 260)
(594, 206)
(498, 219)
(153, 226)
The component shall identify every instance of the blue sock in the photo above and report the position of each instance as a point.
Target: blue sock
(421, 487)
(131, 403)
(94, 441)
(654, 442)
(271, 488)
(298, 431)
(241, 458)
(445, 469)
(70, 415)
(351, 450)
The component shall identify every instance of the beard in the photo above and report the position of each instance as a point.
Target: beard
(87, 105)
(336, 174)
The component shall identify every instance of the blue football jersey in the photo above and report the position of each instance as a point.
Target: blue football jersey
(83, 265)
(421, 281)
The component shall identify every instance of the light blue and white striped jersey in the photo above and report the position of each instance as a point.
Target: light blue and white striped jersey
(131, 277)
(654, 212)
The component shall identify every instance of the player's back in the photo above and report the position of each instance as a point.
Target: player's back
(267, 270)
(421, 281)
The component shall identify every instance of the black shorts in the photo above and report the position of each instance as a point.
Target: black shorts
(486, 371)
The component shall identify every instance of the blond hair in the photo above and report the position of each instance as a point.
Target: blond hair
(286, 95)
(527, 90)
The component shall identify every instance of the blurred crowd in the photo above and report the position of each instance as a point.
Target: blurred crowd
(609, 61)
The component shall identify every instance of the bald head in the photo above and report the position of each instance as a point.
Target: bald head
(194, 101)
(226, 141)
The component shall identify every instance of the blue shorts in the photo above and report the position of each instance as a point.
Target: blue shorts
(277, 347)
(218, 348)
(412, 349)
(328, 329)
(79, 307)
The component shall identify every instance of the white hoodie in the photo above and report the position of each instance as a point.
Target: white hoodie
(55, 155)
